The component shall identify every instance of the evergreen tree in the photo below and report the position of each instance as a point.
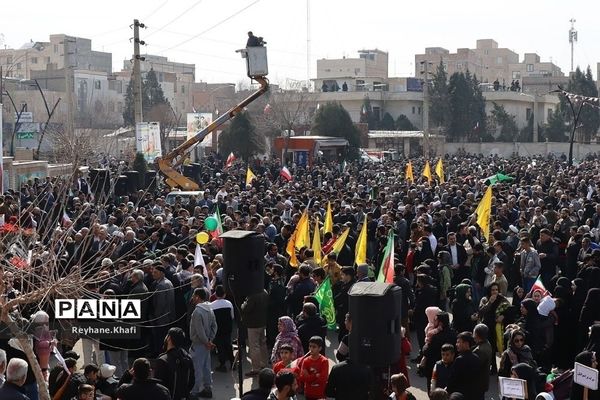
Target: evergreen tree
(240, 137)
(506, 127)
(152, 95)
(140, 165)
(589, 119)
(366, 114)
(387, 122)
(404, 124)
(556, 130)
(333, 120)
(476, 109)
(460, 98)
(439, 98)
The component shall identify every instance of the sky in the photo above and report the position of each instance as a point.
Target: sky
(207, 32)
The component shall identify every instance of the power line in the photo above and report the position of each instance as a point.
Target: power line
(156, 10)
(175, 19)
(213, 26)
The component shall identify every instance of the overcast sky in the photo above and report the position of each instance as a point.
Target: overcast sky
(207, 32)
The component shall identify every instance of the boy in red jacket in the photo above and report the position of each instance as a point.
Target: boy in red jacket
(314, 370)
(287, 363)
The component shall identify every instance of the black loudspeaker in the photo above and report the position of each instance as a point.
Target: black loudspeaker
(133, 181)
(375, 311)
(244, 259)
(99, 180)
(121, 186)
(188, 171)
(150, 181)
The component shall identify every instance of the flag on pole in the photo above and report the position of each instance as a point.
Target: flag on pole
(539, 285)
(249, 176)
(316, 242)
(303, 229)
(386, 272)
(328, 224)
(219, 230)
(324, 296)
(230, 160)
(484, 212)
(360, 254)
(290, 249)
(409, 172)
(336, 246)
(285, 174)
(427, 171)
(439, 171)
(199, 260)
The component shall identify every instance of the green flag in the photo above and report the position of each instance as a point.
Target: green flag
(324, 296)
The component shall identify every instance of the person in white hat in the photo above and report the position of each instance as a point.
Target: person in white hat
(107, 384)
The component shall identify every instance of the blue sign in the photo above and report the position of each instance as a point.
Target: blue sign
(302, 158)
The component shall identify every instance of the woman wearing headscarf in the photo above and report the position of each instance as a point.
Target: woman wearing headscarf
(590, 314)
(287, 335)
(579, 289)
(516, 353)
(491, 312)
(563, 351)
(588, 359)
(593, 343)
(528, 374)
(464, 312)
(530, 323)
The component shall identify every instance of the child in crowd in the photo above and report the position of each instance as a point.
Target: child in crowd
(288, 362)
(314, 370)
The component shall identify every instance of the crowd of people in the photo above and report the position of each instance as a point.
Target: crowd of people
(520, 301)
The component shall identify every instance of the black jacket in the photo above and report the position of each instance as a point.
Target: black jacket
(256, 394)
(433, 349)
(142, 390)
(349, 381)
(466, 367)
(10, 391)
(309, 327)
(175, 371)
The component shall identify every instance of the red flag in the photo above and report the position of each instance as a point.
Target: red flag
(230, 160)
(538, 285)
(285, 174)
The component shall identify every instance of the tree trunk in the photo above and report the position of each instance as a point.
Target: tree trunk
(28, 350)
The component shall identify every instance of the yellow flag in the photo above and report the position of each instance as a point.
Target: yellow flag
(439, 171)
(484, 212)
(409, 172)
(302, 229)
(339, 243)
(316, 242)
(291, 249)
(328, 225)
(249, 176)
(360, 254)
(427, 171)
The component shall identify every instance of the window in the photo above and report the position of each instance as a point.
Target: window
(327, 69)
(413, 109)
(445, 65)
(516, 74)
(529, 67)
(549, 113)
(9, 59)
(47, 60)
(377, 113)
(18, 65)
(528, 113)
(97, 85)
(182, 89)
(175, 88)
(498, 60)
(34, 60)
(458, 65)
(55, 48)
(419, 110)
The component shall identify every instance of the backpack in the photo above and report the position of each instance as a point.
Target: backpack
(184, 370)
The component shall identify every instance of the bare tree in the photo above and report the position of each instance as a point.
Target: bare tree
(169, 120)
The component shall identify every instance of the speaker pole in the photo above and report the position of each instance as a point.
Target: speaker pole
(241, 348)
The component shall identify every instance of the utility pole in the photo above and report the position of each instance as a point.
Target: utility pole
(69, 126)
(425, 108)
(308, 44)
(572, 39)
(137, 74)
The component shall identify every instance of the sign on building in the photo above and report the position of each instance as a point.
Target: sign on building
(26, 117)
(196, 122)
(147, 139)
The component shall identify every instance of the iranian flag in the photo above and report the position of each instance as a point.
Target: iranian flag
(230, 160)
(285, 174)
(386, 272)
(538, 285)
(217, 232)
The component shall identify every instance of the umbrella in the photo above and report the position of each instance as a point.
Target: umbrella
(498, 178)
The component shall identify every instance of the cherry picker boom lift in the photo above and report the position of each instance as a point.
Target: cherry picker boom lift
(257, 69)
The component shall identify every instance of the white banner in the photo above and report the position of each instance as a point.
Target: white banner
(147, 139)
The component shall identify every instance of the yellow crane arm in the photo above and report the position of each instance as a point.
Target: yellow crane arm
(167, 164)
